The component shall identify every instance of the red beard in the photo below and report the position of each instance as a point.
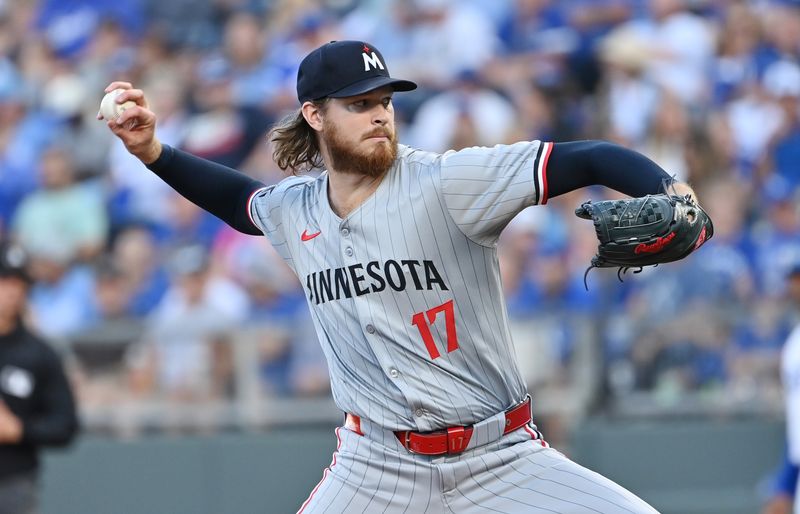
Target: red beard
(346, 159)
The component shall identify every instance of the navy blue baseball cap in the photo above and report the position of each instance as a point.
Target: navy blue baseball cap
(344, 68)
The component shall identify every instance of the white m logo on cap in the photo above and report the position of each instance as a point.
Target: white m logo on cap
(371, 60)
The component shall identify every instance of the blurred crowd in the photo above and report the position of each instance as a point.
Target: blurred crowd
(152, 297)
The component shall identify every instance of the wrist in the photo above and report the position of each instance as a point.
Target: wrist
(151, 154)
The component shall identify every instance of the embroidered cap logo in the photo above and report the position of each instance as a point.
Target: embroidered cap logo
(371, 59)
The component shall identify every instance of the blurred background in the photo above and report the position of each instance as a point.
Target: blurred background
(200, 382)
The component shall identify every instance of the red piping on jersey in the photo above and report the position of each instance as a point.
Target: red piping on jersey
(325, 474)
(249, 201)
(530, 431)
(547, 150)
(536, 436)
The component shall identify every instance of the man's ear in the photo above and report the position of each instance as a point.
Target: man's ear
(313, 114)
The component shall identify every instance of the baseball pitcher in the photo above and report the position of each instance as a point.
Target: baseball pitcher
(396, 250)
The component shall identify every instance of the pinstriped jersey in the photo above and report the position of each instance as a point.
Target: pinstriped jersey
(405, 292)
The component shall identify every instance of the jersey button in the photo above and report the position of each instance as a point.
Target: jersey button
(370, 329)
(345, 232)
(419, 413)
(348, 251)
(394, 373)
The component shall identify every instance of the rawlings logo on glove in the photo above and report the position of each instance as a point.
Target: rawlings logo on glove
(654, 247)
(645, 231)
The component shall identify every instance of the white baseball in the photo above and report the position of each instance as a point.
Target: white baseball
(110, 109)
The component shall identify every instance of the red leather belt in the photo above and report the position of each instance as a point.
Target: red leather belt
(453, 440)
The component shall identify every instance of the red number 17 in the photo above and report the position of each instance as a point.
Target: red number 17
(422, 324)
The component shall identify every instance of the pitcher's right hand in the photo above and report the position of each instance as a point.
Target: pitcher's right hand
(136, 126)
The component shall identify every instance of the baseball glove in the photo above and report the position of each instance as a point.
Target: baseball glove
(645, 231)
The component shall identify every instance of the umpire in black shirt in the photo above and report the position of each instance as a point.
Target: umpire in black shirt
(36, 404)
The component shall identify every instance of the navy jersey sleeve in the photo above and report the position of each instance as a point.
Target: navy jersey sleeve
(578, 164)
(222, 191)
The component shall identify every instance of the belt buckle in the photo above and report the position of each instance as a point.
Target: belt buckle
(462, 444)
(407, 442)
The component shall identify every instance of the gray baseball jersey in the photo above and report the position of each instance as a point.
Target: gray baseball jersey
(406, 298)
(405, 292)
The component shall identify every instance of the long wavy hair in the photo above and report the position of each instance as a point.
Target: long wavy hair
(295, 143)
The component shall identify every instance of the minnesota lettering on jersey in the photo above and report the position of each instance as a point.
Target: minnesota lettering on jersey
(357, 279)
